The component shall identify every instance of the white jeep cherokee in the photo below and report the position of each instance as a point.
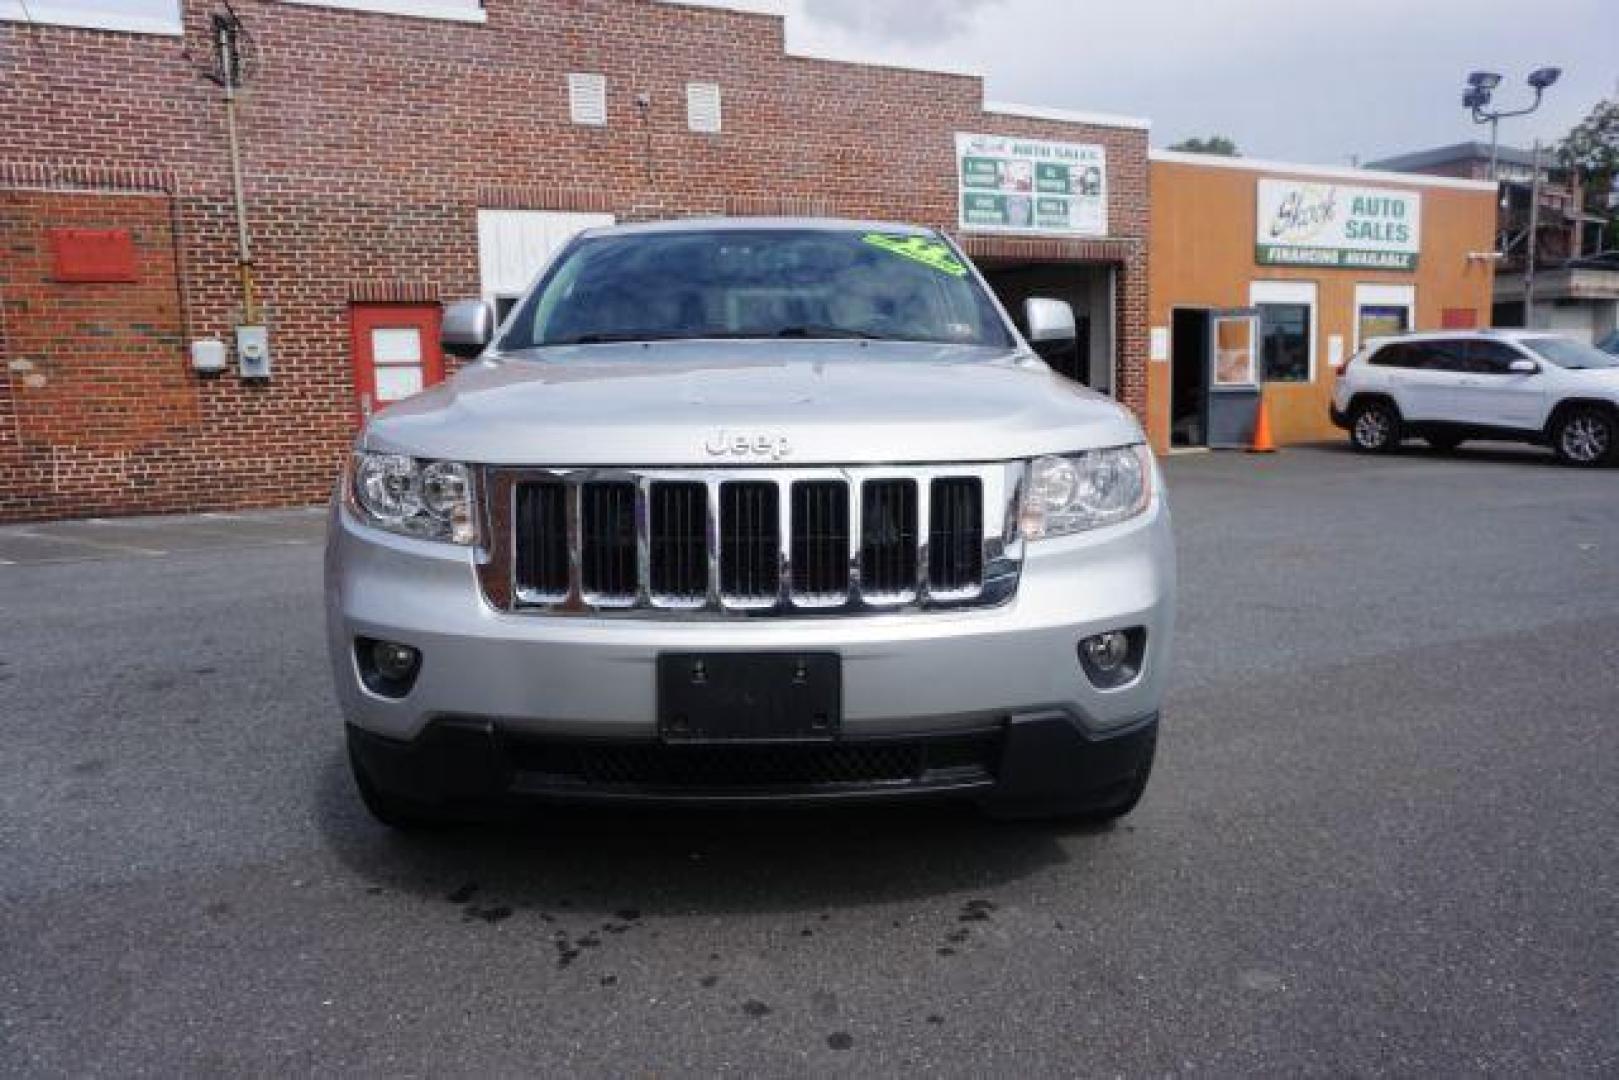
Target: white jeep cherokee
(754, 510)
(1446, 387)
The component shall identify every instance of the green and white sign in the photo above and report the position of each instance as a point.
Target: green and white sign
(1304, 224)
(1031, 186)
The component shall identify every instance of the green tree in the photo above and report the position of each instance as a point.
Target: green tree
(1593, 148)
(1220, 145)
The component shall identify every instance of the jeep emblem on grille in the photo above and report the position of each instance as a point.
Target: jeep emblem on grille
(747, 444)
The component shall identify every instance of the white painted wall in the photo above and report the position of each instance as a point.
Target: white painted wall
(515, 245)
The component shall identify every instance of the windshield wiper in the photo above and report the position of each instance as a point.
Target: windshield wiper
(808, 331)
(811, 330)
(607, 337)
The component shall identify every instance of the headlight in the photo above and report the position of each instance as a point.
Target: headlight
(427, 499)
(1075, 492)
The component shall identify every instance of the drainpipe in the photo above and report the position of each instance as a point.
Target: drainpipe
(226, 33)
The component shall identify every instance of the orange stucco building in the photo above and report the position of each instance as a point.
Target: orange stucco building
(1263, 277)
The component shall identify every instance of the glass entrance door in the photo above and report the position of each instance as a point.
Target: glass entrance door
(1234, 383)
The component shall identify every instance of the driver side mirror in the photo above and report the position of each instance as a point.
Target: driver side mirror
(1051, 325)
(1524, 367)
(467, 328)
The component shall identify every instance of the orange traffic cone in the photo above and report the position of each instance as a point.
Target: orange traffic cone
(1263, 443)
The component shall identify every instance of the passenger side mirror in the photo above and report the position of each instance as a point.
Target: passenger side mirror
(467, 328)
(1524, 367)
(1050, 324)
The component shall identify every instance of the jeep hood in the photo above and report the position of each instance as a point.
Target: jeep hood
(689, 402)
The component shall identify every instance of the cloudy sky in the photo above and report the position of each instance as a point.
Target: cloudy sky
(1305, 80)
(1302, 80)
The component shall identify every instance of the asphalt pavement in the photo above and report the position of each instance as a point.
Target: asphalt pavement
(1381, 838)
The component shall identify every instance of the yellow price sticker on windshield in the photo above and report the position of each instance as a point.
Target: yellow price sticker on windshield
(929, 253)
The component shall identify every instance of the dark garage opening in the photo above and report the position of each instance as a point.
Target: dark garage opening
(1087, 287)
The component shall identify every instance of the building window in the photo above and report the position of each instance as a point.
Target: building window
(587, 99)
(703, 108)
(452, 10)
(1284, 334)
(1382, 310)
(1286, 329)
(131, 16)
(1382, 320)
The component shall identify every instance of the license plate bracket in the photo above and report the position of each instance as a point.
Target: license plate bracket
(749, 697)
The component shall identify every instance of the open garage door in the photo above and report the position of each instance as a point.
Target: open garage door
(1088, 287)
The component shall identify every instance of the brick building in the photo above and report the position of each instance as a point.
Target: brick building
(398, 153)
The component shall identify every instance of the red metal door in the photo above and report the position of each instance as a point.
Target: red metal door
(396, 352)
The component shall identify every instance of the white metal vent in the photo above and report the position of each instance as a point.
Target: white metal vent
(703, 107)
(587, 99)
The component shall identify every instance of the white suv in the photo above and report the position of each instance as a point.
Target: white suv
(1447, 387)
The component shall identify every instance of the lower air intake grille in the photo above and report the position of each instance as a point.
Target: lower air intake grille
(654, 766)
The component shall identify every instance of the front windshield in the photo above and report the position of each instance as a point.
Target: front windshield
(757, 283)
(1567, 353)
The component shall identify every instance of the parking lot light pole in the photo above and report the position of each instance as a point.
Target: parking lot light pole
(1534, 235)
(1480, 89)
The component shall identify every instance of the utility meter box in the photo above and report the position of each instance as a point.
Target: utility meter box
(253, 351)
(208, 356)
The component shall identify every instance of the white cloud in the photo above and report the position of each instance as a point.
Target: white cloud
(1298, 79)
(913, 21)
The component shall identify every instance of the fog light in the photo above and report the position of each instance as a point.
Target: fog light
(395, 662)
(1104, 652)
(387, 667)
(1113, 658)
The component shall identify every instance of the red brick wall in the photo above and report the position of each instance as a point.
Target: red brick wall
(369, 143)
(94, 369)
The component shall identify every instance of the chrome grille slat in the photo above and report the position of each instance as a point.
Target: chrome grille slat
(750, 543)
(677, 548)
(888, 540)
(707, 543)
(955, 537)
(820, 542)
(541, 512)
(608, 543)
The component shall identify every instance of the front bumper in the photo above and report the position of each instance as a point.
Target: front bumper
(916, 675)
(1033, 763)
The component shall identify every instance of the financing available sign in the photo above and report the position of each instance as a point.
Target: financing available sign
(1305, 224)
(1031, 186)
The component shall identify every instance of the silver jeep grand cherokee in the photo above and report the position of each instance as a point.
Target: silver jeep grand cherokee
(757, 510)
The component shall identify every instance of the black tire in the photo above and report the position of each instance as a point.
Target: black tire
(1445, 444)
(1375, 427)
(1585, 436)
(394, 811)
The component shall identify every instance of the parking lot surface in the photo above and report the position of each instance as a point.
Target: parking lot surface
(1380, 839)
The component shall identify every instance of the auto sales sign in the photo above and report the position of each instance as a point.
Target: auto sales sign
(1313, 224)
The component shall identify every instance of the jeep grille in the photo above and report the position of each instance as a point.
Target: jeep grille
(751, 541)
